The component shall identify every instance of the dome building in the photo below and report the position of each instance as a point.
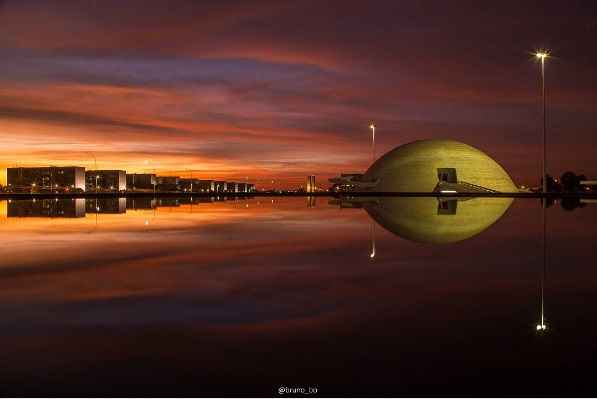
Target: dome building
(434, 165)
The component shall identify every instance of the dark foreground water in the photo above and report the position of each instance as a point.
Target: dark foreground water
(401, 296)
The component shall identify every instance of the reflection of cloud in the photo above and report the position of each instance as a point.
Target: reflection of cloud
(123, 262)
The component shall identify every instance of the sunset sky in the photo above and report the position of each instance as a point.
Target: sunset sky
(276, 90)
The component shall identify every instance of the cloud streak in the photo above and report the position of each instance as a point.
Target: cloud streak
(265, 85)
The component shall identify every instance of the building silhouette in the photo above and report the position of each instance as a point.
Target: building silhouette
(232, 187)
(141, 181)
(46, 179)
(167, 183)
(428, 166)
(220, 186)
(105, 180)
(310, 187)
(75, 179)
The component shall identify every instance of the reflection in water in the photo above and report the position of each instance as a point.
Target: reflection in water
(442, 220)
(372, 230)
(140, 203)
(53, 208)
(105, 205)
(79, 207)
(144, 294)
(541, 326)
(432, 220)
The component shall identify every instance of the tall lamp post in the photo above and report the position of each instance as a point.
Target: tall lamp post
(372, 127)
(541, 56)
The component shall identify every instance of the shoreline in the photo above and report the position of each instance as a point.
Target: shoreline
(163, 194)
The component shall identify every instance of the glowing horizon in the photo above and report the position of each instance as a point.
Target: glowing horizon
(221, 90)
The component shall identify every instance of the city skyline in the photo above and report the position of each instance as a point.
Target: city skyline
(256, 89)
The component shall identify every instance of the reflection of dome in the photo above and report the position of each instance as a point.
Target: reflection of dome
(419, 167)
(436, 220)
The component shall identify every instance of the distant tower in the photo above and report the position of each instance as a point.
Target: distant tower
(311, 184)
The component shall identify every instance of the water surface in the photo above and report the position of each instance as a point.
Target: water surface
(381, 297)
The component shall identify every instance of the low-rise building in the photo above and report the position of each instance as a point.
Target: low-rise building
(242, 187)
(188, 185)
(232, 187)
(140, 181)
(207, 186)
(310, 187)
(250, 188)
(220, 186)
(105, 180)
(167, 183)
(46, 179)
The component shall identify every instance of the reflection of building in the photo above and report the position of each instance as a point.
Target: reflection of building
(430, 166)
(105, 205)
(310, 188)
(3, 209)
(64, 208)
(140, 181)
(436, 220)
(195, 200)
(46, 179)
(105, 180)
(140, 203)
(432, 220)
(169, 202)
(167, 183)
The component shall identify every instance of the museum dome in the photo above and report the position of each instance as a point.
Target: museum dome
(434, 164)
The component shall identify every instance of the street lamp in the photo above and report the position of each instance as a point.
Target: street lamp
(541, 55)
(372, 127)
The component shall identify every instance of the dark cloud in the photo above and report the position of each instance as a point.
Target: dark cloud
(307, 73)
(83, 120)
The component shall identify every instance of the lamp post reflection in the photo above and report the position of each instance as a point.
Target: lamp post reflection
(541, 326)
(372, 235)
